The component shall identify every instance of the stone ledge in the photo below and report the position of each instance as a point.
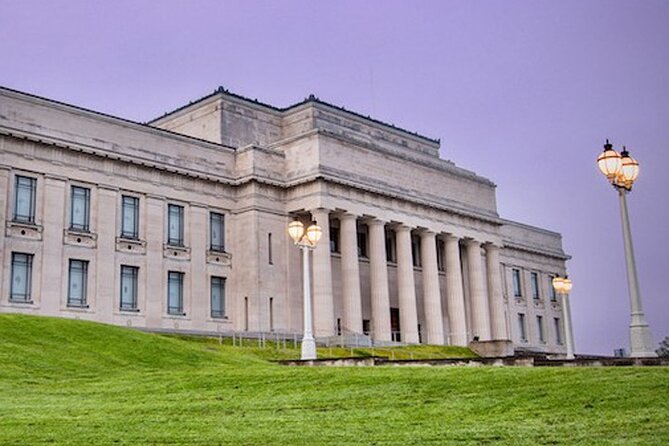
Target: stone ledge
(29, 231)
(79, 238)
(130, 246)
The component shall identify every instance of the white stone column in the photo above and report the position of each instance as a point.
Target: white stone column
(479, 304)
(350, 272)
(434, 323)
(378, 272)
(455, 296)
(406, 288)
(322, 278)
(496, 300)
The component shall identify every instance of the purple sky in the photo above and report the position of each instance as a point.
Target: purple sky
(521, 92)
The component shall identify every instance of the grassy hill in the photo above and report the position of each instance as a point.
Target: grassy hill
(74, 382)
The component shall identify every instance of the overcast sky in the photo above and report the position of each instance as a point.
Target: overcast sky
(522, 92)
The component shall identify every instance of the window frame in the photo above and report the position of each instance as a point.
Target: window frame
(221, 222)
(559, 339)
(516, 279)
(83, 302)
(178, 278)
(133, 274)
(27, 297)
(522, 326)
(85, 227)
(534, 284)
(134, 235)
(30, 218)
(551, 291)
(175, 239)
(541, 328)
(221, 282)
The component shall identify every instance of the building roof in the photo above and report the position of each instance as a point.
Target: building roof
(311, 98)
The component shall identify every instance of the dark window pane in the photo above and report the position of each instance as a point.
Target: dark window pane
(77, 291)
(129, 288)
(217, 232)
(24, 205)
(21, 281)
(130, 217)
(79, 208)
(175, 282)
(217, 297)
(175, 225)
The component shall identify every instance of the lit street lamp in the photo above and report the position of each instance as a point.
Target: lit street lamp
(306, 240)
(562, 286)
(622, 170)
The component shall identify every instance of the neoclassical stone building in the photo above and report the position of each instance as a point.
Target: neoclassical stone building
(180, 223)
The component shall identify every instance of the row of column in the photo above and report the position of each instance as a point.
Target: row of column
(487, 309)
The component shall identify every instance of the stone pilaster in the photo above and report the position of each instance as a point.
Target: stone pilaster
(378, 271)
(406, 288)
(479, 304)
(350, 269)
(322, 278)
(495, 298)
(455, 296)
(434, 323)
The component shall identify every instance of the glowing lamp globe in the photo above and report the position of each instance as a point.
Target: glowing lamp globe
(558, 284)
(566, 285)
(296, 230)
(629, 170)
(314, 233)
(609, 162)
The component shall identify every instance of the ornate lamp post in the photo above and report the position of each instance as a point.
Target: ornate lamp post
(622, 170)
(306, 241)
(562, 286)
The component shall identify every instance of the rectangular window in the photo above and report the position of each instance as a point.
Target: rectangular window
(558, 330)
(24, 199)
(270, 260)
(22, 267)
(366, 327)
(218, 297)
(130, 217)
(80, 198)
(551, 290)
(441, 246)
(217, 232)
(175, 293)
(517, 292)
(362, 243)
(78, 278)
(391, 251)
(540, 329)
(415, 250)
(129, 288)
(334, 238)
(534, 279)
(522, 328)
(175, 225)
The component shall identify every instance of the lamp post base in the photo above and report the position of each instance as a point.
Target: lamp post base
(308, 349)
(641, 341)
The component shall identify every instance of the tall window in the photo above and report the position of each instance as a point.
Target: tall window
(415, 250)
(217, 232)
(80, 198)
(22, 267)
(522, 328)
(441, 247)
(551, 290)
(217, 297)
(175, 225)
(24, 199)
(534, 279)
(270, 257)
(175, 293)
(334, 238)
(391, 251)
(76, 294)
(540, 329)
(129, 288)
(558, 330)
(517, 292)
(130, 217)
(362, 242)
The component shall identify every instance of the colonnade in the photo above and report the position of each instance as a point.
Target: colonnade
(485, 290)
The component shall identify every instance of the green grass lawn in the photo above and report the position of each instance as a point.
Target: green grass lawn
(74, 382)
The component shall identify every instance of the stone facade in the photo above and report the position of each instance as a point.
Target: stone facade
(416, 252)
